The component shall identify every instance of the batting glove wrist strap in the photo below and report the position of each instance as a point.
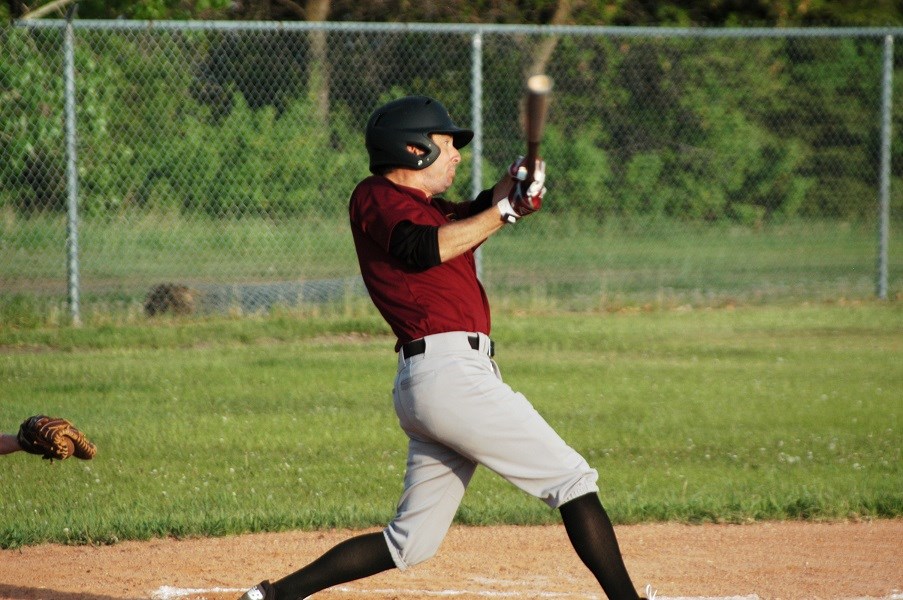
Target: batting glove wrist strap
(506, 211)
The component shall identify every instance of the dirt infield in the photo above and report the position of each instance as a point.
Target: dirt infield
(787, 561)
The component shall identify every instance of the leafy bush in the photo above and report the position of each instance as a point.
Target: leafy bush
(31, 134)
(255, 163)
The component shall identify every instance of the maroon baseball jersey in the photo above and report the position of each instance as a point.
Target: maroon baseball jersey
(415, 302)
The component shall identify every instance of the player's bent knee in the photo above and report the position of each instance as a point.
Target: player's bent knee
(407, 552)
(582, 482)
(419, 555)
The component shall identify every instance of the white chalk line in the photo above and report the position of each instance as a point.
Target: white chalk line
(167, 592)
(453, 593)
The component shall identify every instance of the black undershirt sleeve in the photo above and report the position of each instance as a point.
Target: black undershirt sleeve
(418, 245)
(415, 245)
(481, 202)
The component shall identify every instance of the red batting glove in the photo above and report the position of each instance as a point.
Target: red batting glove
(520, 201)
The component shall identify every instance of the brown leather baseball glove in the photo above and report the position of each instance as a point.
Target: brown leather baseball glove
(54, 438)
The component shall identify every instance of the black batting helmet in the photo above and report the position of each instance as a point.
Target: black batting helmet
(410, 120)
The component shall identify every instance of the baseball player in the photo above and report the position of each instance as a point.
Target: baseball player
(416, 255)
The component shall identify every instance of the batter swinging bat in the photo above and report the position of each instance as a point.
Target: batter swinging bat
(538, 89)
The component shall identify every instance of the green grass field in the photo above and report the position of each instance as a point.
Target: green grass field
(218, 426)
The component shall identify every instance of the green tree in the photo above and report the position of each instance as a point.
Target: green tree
(705, 13)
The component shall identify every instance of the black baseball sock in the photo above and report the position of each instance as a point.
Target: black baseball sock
(593, 537)
(352, 559)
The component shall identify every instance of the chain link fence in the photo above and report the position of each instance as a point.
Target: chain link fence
(200, 167)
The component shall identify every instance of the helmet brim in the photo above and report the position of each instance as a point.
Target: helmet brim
(460, 137)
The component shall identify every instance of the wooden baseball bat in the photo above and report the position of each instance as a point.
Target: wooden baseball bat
(538, 90)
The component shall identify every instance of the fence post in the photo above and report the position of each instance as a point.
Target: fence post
(476, 91)
(884, 200)
(71, 171)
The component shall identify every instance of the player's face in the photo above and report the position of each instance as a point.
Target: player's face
(440, 175)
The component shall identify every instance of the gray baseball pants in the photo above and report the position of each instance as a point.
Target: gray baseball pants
(458, 413)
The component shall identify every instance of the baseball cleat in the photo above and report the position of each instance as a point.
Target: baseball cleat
(262, 591)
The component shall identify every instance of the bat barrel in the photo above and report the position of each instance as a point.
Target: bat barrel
(538, 89)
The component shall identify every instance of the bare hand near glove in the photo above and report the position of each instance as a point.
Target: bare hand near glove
(525, 197)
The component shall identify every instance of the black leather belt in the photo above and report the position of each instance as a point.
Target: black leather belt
(419, 346)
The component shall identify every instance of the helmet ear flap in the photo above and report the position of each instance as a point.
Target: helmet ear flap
(428, 152)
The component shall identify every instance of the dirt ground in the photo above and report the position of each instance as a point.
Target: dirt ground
(787, 561)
